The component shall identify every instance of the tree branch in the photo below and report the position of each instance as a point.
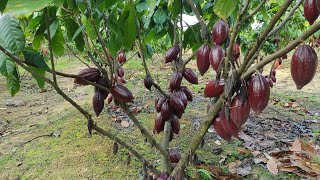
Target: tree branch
(165, 145)
(254, 11)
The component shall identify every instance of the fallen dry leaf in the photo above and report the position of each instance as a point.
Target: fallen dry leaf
(272, 166)
(125, 124)
(296, 145)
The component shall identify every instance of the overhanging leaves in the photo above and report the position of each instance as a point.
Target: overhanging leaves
(25, 7)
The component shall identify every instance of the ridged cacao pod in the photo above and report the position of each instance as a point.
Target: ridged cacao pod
(175, 125)
(182, 96)
(220, 32)
(89, 74)
(203, 62)
(159, 103)
(178, 113)
(259, 92)
(174, 155)
(215, 57)
(219, 129)
(159, 124)
(214, 89)
(187, 92)
(103, 82)
(236, 50)
(176, 104)
(228, 125)
(109, 98)
(98, 102)
(120, 71)
(121, 93)
(148, 82)
(239, 111)
(175, 81)
(121, 57)
(311, 11)
(172, 53)
(190, 76)
(165, 111)
(303, 65)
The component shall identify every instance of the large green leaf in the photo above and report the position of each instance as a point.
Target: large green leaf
(224, 8)
(129, 26)
(72, 27)
(9, 70)
(25, 7)
(3, 4)
(11, 35)
(152, 4)
(58, 42)
(34, 58)
(41, 82)
(159, 16)
(53, 28)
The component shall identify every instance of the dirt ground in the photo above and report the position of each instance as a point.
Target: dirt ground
(43, 137)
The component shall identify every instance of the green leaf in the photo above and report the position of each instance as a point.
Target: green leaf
(159, 17)
(41, 82)
(11, 35)
(36, 43)
(90, 29)
(142, 6)
(13, 82)
(25, 7)
(58, 42)
(53, 28)
(3, 4)
(78, 32)
(72, 27)
(224, 8)
(35, 22)
(34, 58)
(105, 4)
(129, 26)
(152, 4)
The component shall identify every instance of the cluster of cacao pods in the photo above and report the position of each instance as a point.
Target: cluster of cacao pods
(117, 90)
(311, 10)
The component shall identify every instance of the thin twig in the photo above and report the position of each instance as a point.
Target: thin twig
(75, 55)
(254, 11)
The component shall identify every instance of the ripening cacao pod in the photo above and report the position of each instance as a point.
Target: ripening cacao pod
(175, 81)
(270, 82)
(165, 111)
(303, 65)
(98, 102)
(187, 92)
(89, 74)
(121, 80)
(148, 82)
(215, 57)
(239, 110)
(182, 96)
(121, 57)
(311, 11)
(121, 93)
(120, 71)
(203, 62)
(159, 103)
(172, 53)
(236, 50)
(219, 32)
(214, 89)
(277, 63)
(190, 76)
(174, 155)
(219, 129)
(259, 92)
(109, 98)
(162, 176)
(176, 104)
(171, 135)
(159, 124)
(228, 125)
(178, 113)
(175, 125)
(103, 82)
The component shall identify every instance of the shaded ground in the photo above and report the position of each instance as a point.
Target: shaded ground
(65, 152)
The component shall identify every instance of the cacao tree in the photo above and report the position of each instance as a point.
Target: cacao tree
(234, 39)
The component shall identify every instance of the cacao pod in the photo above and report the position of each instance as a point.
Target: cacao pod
(239, 110)
(156, 104)
(236, 50)
(215, 57)
(160, 102)
(228, 125)
(203, 62)
(220, 32)
(176, 104)
(148, 82)
(159, 124)
(171, 135)
(121, 93)
(174, 155)
(259, 92)
(120, 71)
(172, 53)
(103, 82)
(303, 65)
(121, 80)
(178, 113)
(165, 111)
(190, 76)
(187, 92)
(89, 74)
(175, 125)
(162, 176)
(214, 89)
(182, 96)
(311, 11)
(98, 102)
(109, 98)
(219, 129)
(122, 57)
(175, 81)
